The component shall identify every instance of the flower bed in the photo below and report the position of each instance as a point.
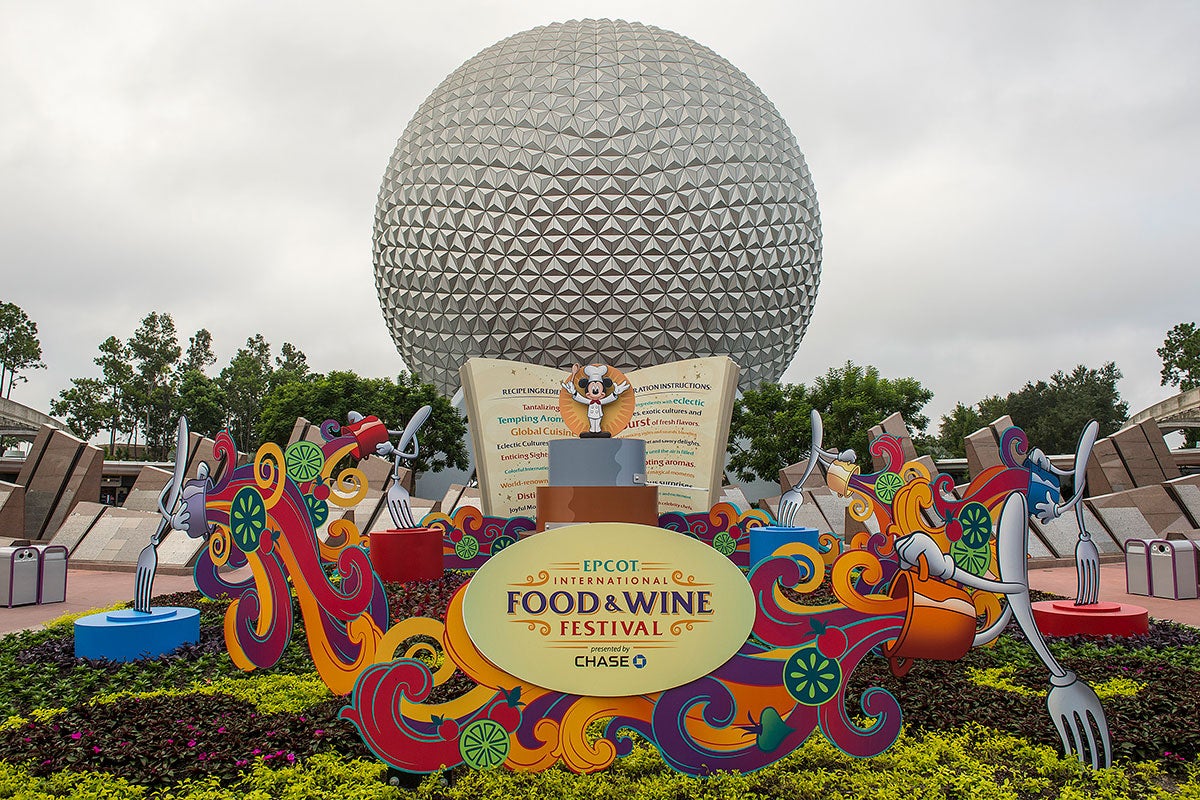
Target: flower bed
(192, 725)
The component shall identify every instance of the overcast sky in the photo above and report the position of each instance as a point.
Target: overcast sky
(1006, 189)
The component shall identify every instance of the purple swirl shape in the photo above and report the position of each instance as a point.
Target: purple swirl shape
(210, 582)
(719, 710)
(1014, 447)
(225, 452)
(265, 651)
(876, 702)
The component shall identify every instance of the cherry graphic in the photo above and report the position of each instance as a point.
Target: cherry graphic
(831, 641)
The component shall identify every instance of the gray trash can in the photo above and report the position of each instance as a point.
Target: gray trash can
(1137, 567)
(52, 573)
(19, 575)
(1173, 569)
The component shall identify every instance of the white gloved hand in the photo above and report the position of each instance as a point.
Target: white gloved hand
(910, 549)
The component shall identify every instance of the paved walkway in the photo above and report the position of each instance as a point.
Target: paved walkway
(89, 589)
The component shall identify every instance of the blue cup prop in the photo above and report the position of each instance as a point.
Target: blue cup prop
(1044, 486)
(766, 540)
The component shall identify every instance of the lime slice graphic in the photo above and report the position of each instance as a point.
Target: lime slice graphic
(976, 525)
(247, 518)
(467, 548)
(483, 744)
(318, 510)
(724, 543)
(811, 677)
(500, 543)
(304, 461)
(974, 560)
(886, 486)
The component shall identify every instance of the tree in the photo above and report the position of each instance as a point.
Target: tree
(201, 400)
(154, 348)
(964, 420)
(1180, 356)
(769, 430)
(853, 399)
(20, 348)
(1053, 412)
(84, 407)
(770, 424)
(199, 355)
(335, 395)
(290, 365)
(245, 382)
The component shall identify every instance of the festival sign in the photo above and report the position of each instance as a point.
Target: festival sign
(609, 609)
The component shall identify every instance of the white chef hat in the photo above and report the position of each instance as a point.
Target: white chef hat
(595, 372)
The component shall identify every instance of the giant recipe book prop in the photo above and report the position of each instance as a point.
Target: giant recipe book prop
(682, 413)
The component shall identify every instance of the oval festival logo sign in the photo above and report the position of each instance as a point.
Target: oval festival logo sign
(608, 609)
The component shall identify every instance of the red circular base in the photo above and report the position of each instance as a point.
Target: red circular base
(1064, 618)
(409, 554)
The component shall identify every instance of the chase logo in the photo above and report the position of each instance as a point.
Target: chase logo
(639, 661)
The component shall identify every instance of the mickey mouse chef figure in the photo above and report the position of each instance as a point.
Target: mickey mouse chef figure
(598, 391)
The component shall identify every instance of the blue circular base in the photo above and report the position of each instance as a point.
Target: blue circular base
(129, 635)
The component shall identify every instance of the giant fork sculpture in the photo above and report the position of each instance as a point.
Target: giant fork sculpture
(1073, 705)
(397, 496)
(147, 563)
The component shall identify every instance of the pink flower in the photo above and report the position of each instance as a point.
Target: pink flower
(319, 732)
(291, 757)
(221, 729)
(95, 749)
(255, 751)
(76, 735)
(191, 742)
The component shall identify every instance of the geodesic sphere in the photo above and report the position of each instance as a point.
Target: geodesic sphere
(597, 190)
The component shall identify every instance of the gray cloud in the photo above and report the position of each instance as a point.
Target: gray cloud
(1006, 189)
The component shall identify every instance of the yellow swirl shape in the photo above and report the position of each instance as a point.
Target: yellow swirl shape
(583, 756)
(337, 674)
(832, 545)
(343, 533)
(219, 542)
(915, 471)
(811, 584)
(678, 626)
(535, 759)
(542, 579)
(410, 628)
(860, 506)
(678, 578)
(335, 458)
(906, 510)
(539, 625)
(459, 649)
(754, 514)
(842, 581)
(268, 473)
(236, 654)
(349, 489)
(987, 608)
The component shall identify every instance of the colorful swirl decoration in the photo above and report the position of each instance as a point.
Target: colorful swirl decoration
(469, 538)
(724, 527)
(785, 683)
(821, 607)
(266, 515)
